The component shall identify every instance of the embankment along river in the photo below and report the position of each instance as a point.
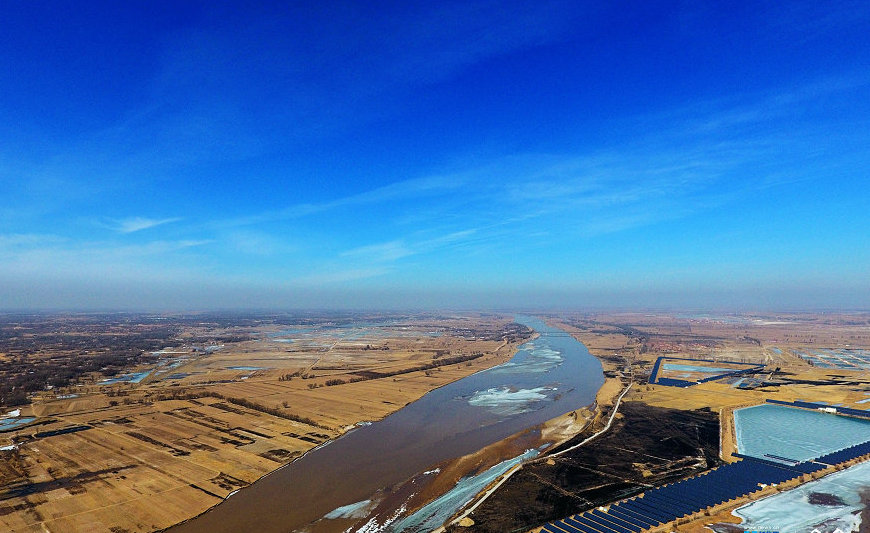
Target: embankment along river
(548, 376)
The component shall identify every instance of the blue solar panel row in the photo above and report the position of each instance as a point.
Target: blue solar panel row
(644, 523)
(674, 382)
(815, 405)
(847, 454)
(670, 502)
(854, 412)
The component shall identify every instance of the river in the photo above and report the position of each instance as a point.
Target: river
(548, 376)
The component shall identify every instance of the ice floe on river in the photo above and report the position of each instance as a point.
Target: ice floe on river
(531, 359)
(507, 401)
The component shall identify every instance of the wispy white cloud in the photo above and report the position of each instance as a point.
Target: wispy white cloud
(388, 252)
(338, 275)
(446, 37)
(134, 224)
(60, 258)
(13, 241)
(446, 240)
(658, 177)
(699, 161)
(258, 243)
(383, 252)
(379, 259)
(409, 189)
(747, 114)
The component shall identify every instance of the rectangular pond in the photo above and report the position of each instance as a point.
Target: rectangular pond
(839, 358)
(7, 424)
(126, 378)
(799, 434)
(697, 368)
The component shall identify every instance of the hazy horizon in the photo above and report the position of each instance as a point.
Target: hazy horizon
(269, 300)
(474, 155)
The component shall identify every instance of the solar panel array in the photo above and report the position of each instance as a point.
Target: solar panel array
(847, 454)
(673, 501)
(842, 358)
(863, 413)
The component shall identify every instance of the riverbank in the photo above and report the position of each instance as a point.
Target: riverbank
(494, 464)
(408, 387)
(163, 450)
(562, 429)
(367, 470)
(552, 434)
(645, 446)
(599, 462)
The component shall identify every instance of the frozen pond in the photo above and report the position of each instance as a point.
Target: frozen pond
(126, 378)
(12, 423)
(826, 504)
(842, 358)
(693, 368)
(797, 434)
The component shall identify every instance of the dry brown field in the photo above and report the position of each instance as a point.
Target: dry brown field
(143, 456)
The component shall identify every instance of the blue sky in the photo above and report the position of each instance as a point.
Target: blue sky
(450, 154)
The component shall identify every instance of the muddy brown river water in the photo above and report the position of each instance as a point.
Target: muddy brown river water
(548, 376)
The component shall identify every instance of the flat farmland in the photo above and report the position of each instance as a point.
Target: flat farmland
(207, 418)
